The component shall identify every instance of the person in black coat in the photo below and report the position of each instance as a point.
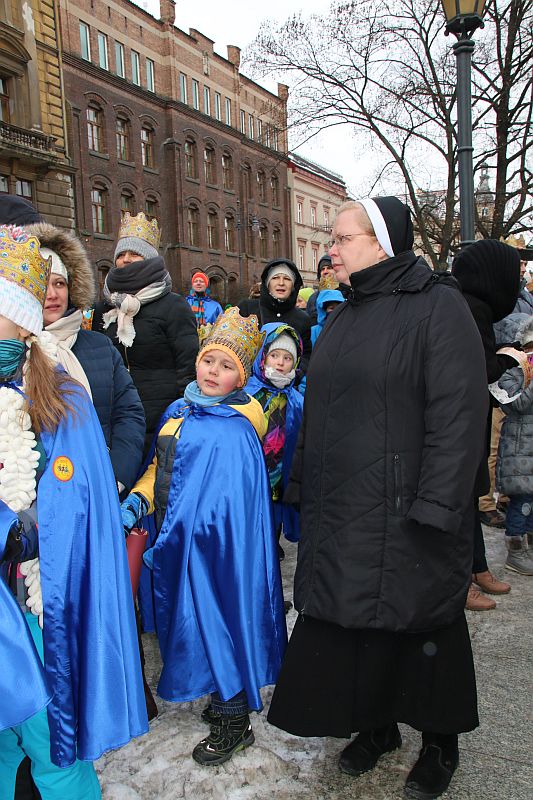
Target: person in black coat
(383, 473)
(280, 284)
(153, 328)
(323, 270)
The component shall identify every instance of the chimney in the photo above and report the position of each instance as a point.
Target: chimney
(234, 55)
(167, 11)
(283, 91)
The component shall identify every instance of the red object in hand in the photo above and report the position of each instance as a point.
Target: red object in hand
(135, 547)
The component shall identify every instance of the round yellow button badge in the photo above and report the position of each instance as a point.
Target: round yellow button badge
(63, 468)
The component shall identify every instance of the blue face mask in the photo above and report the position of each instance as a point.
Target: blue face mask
(11, 353)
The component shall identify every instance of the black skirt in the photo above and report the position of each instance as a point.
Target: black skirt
(335, 681)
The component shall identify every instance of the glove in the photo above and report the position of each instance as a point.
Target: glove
(133, 508)
(32, 581)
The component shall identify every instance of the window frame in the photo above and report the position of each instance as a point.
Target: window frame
(229, 233)
(195, 94)
(123, 137)
(227, 109)
(120, 59)
(102, 40)
(213, 242)
(210, 166)
(85, 40)
(190, 150)
(150, 74)
(95, 129)
(183, 87)
(227, 172)
(193, 226)
(218, 106)
(99, 219)
(207, 101)
(135, 67)
(147, 146)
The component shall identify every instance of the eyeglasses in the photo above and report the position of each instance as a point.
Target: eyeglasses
(342, 239)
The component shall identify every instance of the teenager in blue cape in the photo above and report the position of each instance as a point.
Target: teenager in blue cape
(272, 385)
(63, 554)
(326, 301)
(216, 581)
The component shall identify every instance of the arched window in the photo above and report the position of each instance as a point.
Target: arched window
(274, 186)
(247, 181)
(191, 159)
(147, 146)
(95, 128)
(151, 207)
(263, 240)
(276, 243)
(261, 186)
(99, 204)
(122, 130)
(227, 171)
(212, 230)
(229, 233)
(210, 168)
(193, 226)
(127, 202)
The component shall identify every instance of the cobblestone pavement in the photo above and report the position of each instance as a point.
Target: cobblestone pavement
(496, 759)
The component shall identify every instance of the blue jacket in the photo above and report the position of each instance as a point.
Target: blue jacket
(323, 298)
(116, 401)
(212, 309)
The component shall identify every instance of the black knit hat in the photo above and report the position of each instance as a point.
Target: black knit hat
(490, 271)
(325, 261)
(16, 210)
(391, 220)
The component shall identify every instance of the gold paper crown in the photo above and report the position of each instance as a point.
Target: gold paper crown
(240, 335)
(21, 263)
(328, 282)
(141, 228)
(514, 241)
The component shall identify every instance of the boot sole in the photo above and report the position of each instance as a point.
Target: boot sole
(226, 757)
(355, 773)
(518, 571)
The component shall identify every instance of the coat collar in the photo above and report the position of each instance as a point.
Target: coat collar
(406, 272)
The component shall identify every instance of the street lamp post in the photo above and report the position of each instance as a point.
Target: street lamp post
(463, 17)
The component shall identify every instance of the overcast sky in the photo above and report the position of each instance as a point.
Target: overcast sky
(237, 22)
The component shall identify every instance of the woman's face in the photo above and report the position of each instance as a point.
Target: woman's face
(10, 330)
(301, 302)
(280, 286)
(357, 251)
(56, 302)
(128, 257)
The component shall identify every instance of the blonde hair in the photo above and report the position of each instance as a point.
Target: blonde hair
(47, 391)
(364, 219)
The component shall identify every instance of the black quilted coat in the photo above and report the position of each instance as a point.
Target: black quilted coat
(393, 428)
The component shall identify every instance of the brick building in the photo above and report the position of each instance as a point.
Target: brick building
(160, 122)
(34, 159)
(316, 194)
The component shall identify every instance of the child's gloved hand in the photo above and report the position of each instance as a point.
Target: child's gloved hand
(133, 508)
(148, 558)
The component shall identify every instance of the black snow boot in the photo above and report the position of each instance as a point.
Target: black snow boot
(363, 753)
(432, 773)
(228, 735)
(209, 716)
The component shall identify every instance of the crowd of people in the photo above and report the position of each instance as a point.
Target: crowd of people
(154, 438)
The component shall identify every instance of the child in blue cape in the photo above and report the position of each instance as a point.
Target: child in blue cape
(217, 586)
(272, 385)
(326, 302)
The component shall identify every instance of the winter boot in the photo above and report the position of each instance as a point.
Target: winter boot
(363, 753)
(432, 773)
(519, 558)
(210, 716)
(228, 735)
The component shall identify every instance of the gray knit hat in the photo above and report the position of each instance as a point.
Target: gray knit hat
(135, 245)
(138, 235)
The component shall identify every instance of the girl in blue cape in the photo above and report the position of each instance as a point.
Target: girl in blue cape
(272, 385)
(71, 680)
(217, 586)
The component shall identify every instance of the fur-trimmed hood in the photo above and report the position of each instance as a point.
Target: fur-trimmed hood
(82, 282)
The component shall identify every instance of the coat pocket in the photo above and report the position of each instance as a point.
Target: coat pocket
(397, 485)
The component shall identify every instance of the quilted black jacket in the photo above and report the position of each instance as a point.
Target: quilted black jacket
(393, 428)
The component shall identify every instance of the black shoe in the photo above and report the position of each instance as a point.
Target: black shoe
(494, 519)
(363, 753)
(209, 716)
(227, 736)
(432, 773)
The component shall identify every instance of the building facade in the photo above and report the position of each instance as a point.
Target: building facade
(316, 194)
(161, 123)
(34, 161)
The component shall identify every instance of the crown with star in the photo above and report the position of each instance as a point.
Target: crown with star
(237, 335)
(24, 274)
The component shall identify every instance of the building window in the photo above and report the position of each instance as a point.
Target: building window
(218, 106)
(274, 138)
(314, 256)
(274, 186)
(299, 211)
(135, 68)
(147, 146)
(4, 184)
(301, 257)
(24, 189)
(261, 186)
(4, 100)
(227, 171)
(251, 127)
(119, 60)
(193, 226)
(195, 95)
(191, 160)
(95, 129)
(183, 87)
(260, 131)
(99, 207)
(123, 139)
(263, 241)
(313, 216)
(228, 111)
(212, 230)
(150, 75)
(229, 233)
(276, 243)
(127, 203)
(151, 207)
(267, 136)
(326, 218)
(103, 60)
(210, 170)
(85, 41)
(207, 101)
(247, 181)
(243, 122)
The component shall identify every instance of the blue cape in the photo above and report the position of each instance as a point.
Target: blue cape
(23, 686)
(283, 513)
(324, 297)
(217, 586)
(91, 654)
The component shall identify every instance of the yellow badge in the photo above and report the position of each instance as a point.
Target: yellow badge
(63, 468)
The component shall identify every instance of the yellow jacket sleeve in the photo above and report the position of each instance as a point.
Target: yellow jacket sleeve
(146, 485)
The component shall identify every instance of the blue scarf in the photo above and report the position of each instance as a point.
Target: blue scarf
(193, 394)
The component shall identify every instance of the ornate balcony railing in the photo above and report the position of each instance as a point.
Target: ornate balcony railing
(11, 136)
